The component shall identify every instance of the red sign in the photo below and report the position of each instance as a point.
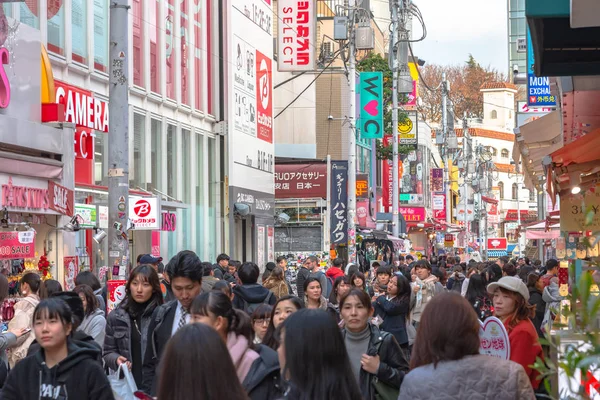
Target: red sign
(24, 197)
(4, 83)
(61, 198)
(169, 222)
(362, 212)
(264, 98)
(526, 216)
(413, 214)
(142, 208)
(300, 181)
(14, 245)
(497, 244)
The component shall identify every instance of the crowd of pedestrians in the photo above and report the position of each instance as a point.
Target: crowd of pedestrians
(195, 330)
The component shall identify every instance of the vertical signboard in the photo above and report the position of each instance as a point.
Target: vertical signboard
(408, 130)
(296, 37)
(437, 180)
(271, 243)
(371, 105)
(250, 89)
(339, 200)
(260, 251)
(538, 88)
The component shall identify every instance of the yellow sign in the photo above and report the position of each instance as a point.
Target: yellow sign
(405, 127)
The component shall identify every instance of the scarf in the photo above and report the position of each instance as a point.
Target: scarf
(427, 289)
(322, 303)
(242, 356)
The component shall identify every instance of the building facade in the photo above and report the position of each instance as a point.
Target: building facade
(517, 29)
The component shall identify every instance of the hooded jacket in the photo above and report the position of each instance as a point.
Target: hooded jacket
(79, 338)
(78, 376)
(251, 294)
(262, 381)
(94, 325)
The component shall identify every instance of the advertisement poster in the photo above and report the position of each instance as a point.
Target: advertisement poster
(271, 243)
(494, 339)
(260, 251)
(339, 199)
(437, 180)
(71, 264)
(439, 206)
(15, 245)
(116, 293)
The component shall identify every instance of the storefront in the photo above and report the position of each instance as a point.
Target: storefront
(36, 161)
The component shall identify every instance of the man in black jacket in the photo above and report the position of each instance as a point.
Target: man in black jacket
(220, 268)
(186, 281)
(250, 294)
(302, 276)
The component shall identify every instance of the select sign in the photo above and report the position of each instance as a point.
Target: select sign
(144, 213)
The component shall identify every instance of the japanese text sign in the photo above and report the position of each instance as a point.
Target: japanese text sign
(338, 201)
(15, 245)
(296, 35)
(494, 339)
(87, 215)
(300, 181)
(438, 202)
(538, 88)
(413, 214)
(362, 186)
(371, 105)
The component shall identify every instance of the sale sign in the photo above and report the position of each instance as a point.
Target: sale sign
(494, 339)
(62, 199)
(14, 245)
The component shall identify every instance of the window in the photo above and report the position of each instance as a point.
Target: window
(56, 27)
(515, 191)
(504, 153)
(201, 188)
(80, 34)
(198, 71)
(172, 160)
(532, 195)
(138, 178)
(492, 150)
(100, 154)
(494, 114)
(101, 35)
(185, 93)
(29, 14)
(170, 49)
(501, 190)
(213, 184)
(156, 154)
(154, 30)
(138, 43)
(187, 183)
(7, 9)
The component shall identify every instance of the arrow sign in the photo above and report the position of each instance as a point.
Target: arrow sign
(371, 105)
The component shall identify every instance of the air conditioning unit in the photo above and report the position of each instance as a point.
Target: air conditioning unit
(327, 51)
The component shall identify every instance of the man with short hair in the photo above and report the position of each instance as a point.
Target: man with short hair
(249, 294)
(302, 275)
(220, 268)
(382, 279)
(186, 281)
(502, 261)
(551, 271)
(313, 267)
(149, 259)
(509, 269)
(208, 277)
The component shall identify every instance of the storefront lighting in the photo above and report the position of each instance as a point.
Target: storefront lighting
(575, 190)
(100, 236)
(73, 224)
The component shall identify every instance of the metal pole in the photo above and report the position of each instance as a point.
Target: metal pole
(373, 179)
(395, 183)
(519, 217)
(352, 140)
(466, 169)
(446, 151)
(541, 216)
(118, 139)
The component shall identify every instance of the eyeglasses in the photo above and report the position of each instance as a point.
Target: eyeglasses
(262, 321)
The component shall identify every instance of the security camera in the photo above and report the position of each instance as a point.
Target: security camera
(515, 69)
(241, 209)
(330, 117)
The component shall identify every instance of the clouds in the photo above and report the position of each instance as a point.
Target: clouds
(456, 28)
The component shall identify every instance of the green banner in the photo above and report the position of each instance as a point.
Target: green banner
(371, 105)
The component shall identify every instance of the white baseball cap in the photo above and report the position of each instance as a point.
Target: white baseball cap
(511, 283)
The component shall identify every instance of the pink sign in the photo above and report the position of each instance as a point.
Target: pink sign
(494, 339)
(14, 245)
(4, 83)
(413, 214)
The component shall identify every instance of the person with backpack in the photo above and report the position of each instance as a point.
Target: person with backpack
(455, 281)
(250, 294)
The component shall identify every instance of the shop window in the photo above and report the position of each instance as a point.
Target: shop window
(29, 13)
(101, 35)
(170, 48)
(185, 93)
(515, 192)
(154, 31)
(139, 154)
(138, 43)
(100, 155)
(156, 155)
(504, 153)
(494, 114)
(56, 28)
(80, 34)
(172, 160)
(186, 163)
(213, 183)
(501, 190)
(201, 188)
(8, 9)
(198, 56)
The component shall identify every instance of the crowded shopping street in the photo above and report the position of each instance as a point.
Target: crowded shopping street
(299, 200)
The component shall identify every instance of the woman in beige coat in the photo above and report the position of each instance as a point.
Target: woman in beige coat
(276, 283)
(24, 308)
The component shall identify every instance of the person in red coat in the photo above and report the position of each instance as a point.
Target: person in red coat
(510, 296)
(335, 270)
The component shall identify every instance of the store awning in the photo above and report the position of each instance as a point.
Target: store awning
(495, 254)
(526, 216)
(581, 151)
(533, 142)
(510, 248)
(542, 234)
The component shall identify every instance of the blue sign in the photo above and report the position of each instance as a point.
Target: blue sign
(339, 202)
(538, 88)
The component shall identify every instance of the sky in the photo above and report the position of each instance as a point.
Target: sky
(456, 28)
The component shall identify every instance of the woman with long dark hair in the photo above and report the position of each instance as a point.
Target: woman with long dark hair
(193, 367)
(393, 308)
(256, 366)
(447, 346)
(535, 285)
(510, 296)
(341, 286)
(478, 297)
(49, 287)
(316, 369)
(375, 355)
(61, 369)
(285, 306)
(359, 281)
(127, 325)
(94, 323)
